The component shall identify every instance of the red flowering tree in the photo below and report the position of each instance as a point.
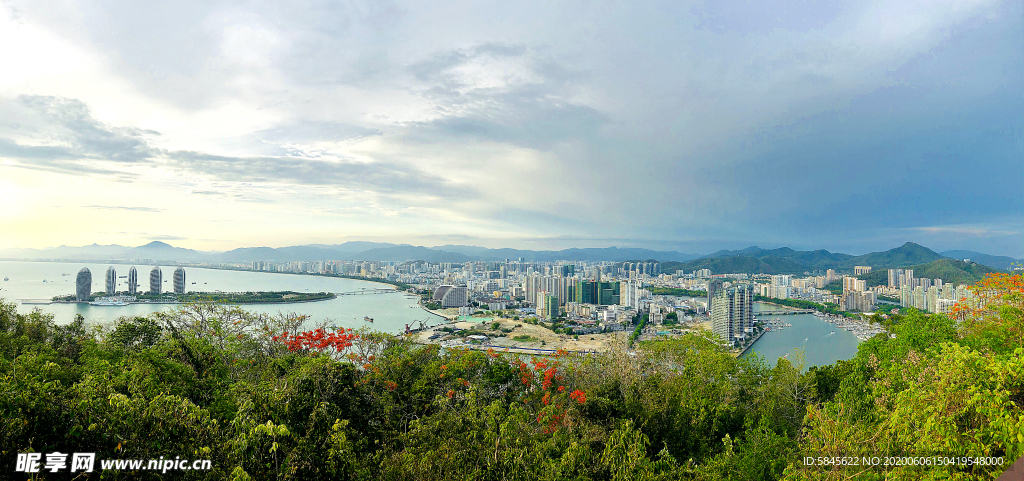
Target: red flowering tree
(335, 342)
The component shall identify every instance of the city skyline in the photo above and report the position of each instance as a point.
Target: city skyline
(689, 128)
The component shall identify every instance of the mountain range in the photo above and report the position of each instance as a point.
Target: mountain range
(753, 259)
(756, 260)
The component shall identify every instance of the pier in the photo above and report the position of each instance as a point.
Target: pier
(751, 343)
(367, 292)
(785, 312)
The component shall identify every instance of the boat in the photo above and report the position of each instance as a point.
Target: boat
(6, 279)
(367, 318)
(108, 301)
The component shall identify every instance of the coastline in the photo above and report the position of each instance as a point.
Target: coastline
(395, 286)
(189, 302)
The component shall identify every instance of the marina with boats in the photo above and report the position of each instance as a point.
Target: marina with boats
(863, 329)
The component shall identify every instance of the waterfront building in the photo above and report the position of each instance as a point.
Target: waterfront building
(179, 280)
(452, 296)
(83, 285)
(714, 285)
(111, 283)
(863, 301)
(133, 281)
(732, 313)
(156, 278)
(440, 292)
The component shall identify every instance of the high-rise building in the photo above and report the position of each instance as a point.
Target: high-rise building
(83, 285)
(851, 284)
(858, 270)
(179, 280)
(133, 281)
(452, 296)
(156, 279)
(714, 285)
(596, 292)
(732, 314)
(551, 307)
(111, 283)
(629, 293)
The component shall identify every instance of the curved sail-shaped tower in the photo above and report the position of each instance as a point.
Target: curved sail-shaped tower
(83, 285)
(111, 283)
(179, 280)
(156, 277)
(133, 281)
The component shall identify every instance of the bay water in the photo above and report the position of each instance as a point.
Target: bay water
(44, 280)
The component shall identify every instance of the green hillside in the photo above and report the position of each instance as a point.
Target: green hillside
(908, 254)
(739, 264)
(949, 270)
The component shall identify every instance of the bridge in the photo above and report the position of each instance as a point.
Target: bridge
(366, 292)
(784, 312)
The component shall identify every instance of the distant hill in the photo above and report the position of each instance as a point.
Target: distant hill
(355, 246)
(908, 254)
(784, 260)
(949, 270)
(755, 260)
(612, 254)
(996, 262)
(738, 264)
(407, 253)
(156, 250)
(280, 254)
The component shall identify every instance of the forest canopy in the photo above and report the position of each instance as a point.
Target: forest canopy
(271, 397)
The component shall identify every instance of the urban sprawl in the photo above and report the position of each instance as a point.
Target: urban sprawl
(597, 297)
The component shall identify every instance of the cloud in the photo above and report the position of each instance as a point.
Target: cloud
(61, 135)
(122, 207)
(377, 176)
(968, 230)
(768, 122)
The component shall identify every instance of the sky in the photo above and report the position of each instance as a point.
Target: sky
(688, 126)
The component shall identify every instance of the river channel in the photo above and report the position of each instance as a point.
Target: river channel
(821, 342)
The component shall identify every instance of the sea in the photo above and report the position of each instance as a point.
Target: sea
(390, 312)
